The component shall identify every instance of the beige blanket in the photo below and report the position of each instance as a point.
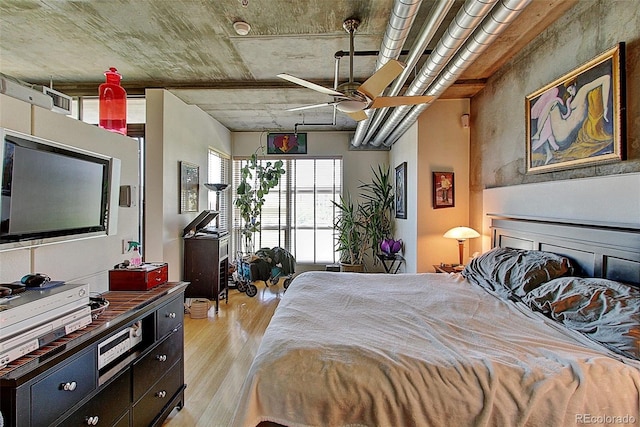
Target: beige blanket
(348, 349)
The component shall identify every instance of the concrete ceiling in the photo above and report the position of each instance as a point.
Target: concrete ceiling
(191, 48)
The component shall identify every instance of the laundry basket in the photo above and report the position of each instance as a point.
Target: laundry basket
(199, 309)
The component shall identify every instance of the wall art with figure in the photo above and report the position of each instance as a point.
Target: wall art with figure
(401, 191)
(287, 143)
(578, 119)
(443, 190)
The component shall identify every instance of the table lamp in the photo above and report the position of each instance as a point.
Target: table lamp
(461, 234)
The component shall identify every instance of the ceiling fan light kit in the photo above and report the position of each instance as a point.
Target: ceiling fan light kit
(353, 98)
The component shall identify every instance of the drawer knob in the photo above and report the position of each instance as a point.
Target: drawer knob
(171, 315)
(161, 394)
(68, 386)
(93, 421)
(161, 357)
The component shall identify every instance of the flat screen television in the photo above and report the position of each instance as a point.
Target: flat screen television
(54, 192)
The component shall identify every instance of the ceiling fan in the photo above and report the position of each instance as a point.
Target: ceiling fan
(353, 98)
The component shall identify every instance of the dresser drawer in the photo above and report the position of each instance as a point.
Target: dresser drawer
(169, 317)
(63, 388)
(107, 406)
(149, 407)
(148, 370)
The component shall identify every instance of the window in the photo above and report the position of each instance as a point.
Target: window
(218, 170)
(298, 214)
(89, 107)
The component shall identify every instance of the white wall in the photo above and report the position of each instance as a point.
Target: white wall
(612, 199)
(86, 261)
(406, 150)
(175, 132)
(436, 143)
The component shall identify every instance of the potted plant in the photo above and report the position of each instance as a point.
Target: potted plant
(364, 226)
(351, 239)
(256, 180)
(377, 208)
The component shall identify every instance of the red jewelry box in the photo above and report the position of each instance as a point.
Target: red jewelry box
(143, 278)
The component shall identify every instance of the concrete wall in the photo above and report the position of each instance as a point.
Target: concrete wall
(175, 132)
(81, 261)
(498, 124)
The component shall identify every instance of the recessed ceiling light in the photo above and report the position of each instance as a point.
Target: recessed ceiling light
(242, 28)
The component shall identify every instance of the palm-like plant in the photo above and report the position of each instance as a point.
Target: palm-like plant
(360, 227)
(377, 208)
(351, 239)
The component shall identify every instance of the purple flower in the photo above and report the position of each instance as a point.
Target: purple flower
(391, 246)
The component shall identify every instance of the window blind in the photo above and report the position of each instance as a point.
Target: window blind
(218, 173)
(298, 214)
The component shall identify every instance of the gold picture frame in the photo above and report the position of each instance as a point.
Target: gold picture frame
(578, 119)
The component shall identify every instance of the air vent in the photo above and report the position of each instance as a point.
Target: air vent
(61, 102)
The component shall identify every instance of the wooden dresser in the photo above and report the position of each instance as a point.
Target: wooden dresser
(206, 264)
(63, 383)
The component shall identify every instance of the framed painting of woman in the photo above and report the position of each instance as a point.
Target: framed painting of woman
(578, 119)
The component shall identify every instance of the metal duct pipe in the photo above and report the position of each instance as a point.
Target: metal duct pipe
(437, 15)
(468, 18)
(402, 16)
(482, 38)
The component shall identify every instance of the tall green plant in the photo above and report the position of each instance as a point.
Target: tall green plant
(377, 207)
(351, 239)
(360, 227)
(256, 180)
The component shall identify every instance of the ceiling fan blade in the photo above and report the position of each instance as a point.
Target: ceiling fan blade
(309, 85)
(358, 115)
(397, 101)
(375, 84)
(307, 107)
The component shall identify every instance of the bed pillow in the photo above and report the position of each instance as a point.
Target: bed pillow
(606, 311)
(515, 271)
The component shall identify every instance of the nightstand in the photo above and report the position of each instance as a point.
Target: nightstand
(447, 268)
(391, 263)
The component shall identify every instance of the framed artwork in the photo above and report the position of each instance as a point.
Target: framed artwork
(579, 119)
(401, 191)
(443, 190)
(287, 143)
(189, 187)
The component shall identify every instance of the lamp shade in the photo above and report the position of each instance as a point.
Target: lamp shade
(461, 233)
(216, 187)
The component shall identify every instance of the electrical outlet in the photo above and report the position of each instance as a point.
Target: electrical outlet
(125, 245)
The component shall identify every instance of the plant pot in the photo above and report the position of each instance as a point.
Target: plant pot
(353, 268)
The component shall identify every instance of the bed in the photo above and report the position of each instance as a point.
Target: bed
(552, 338)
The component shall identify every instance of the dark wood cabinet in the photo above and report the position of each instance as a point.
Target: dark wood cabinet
(206, 265)
(64, 384)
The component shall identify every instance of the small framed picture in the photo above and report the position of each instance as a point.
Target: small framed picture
(189, 183)
(401, 191)
(443, 190)
(287, 143)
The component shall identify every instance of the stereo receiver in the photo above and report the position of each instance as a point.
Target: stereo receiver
(119, 344)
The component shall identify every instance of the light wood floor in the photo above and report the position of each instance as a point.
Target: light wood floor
(218, 353)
